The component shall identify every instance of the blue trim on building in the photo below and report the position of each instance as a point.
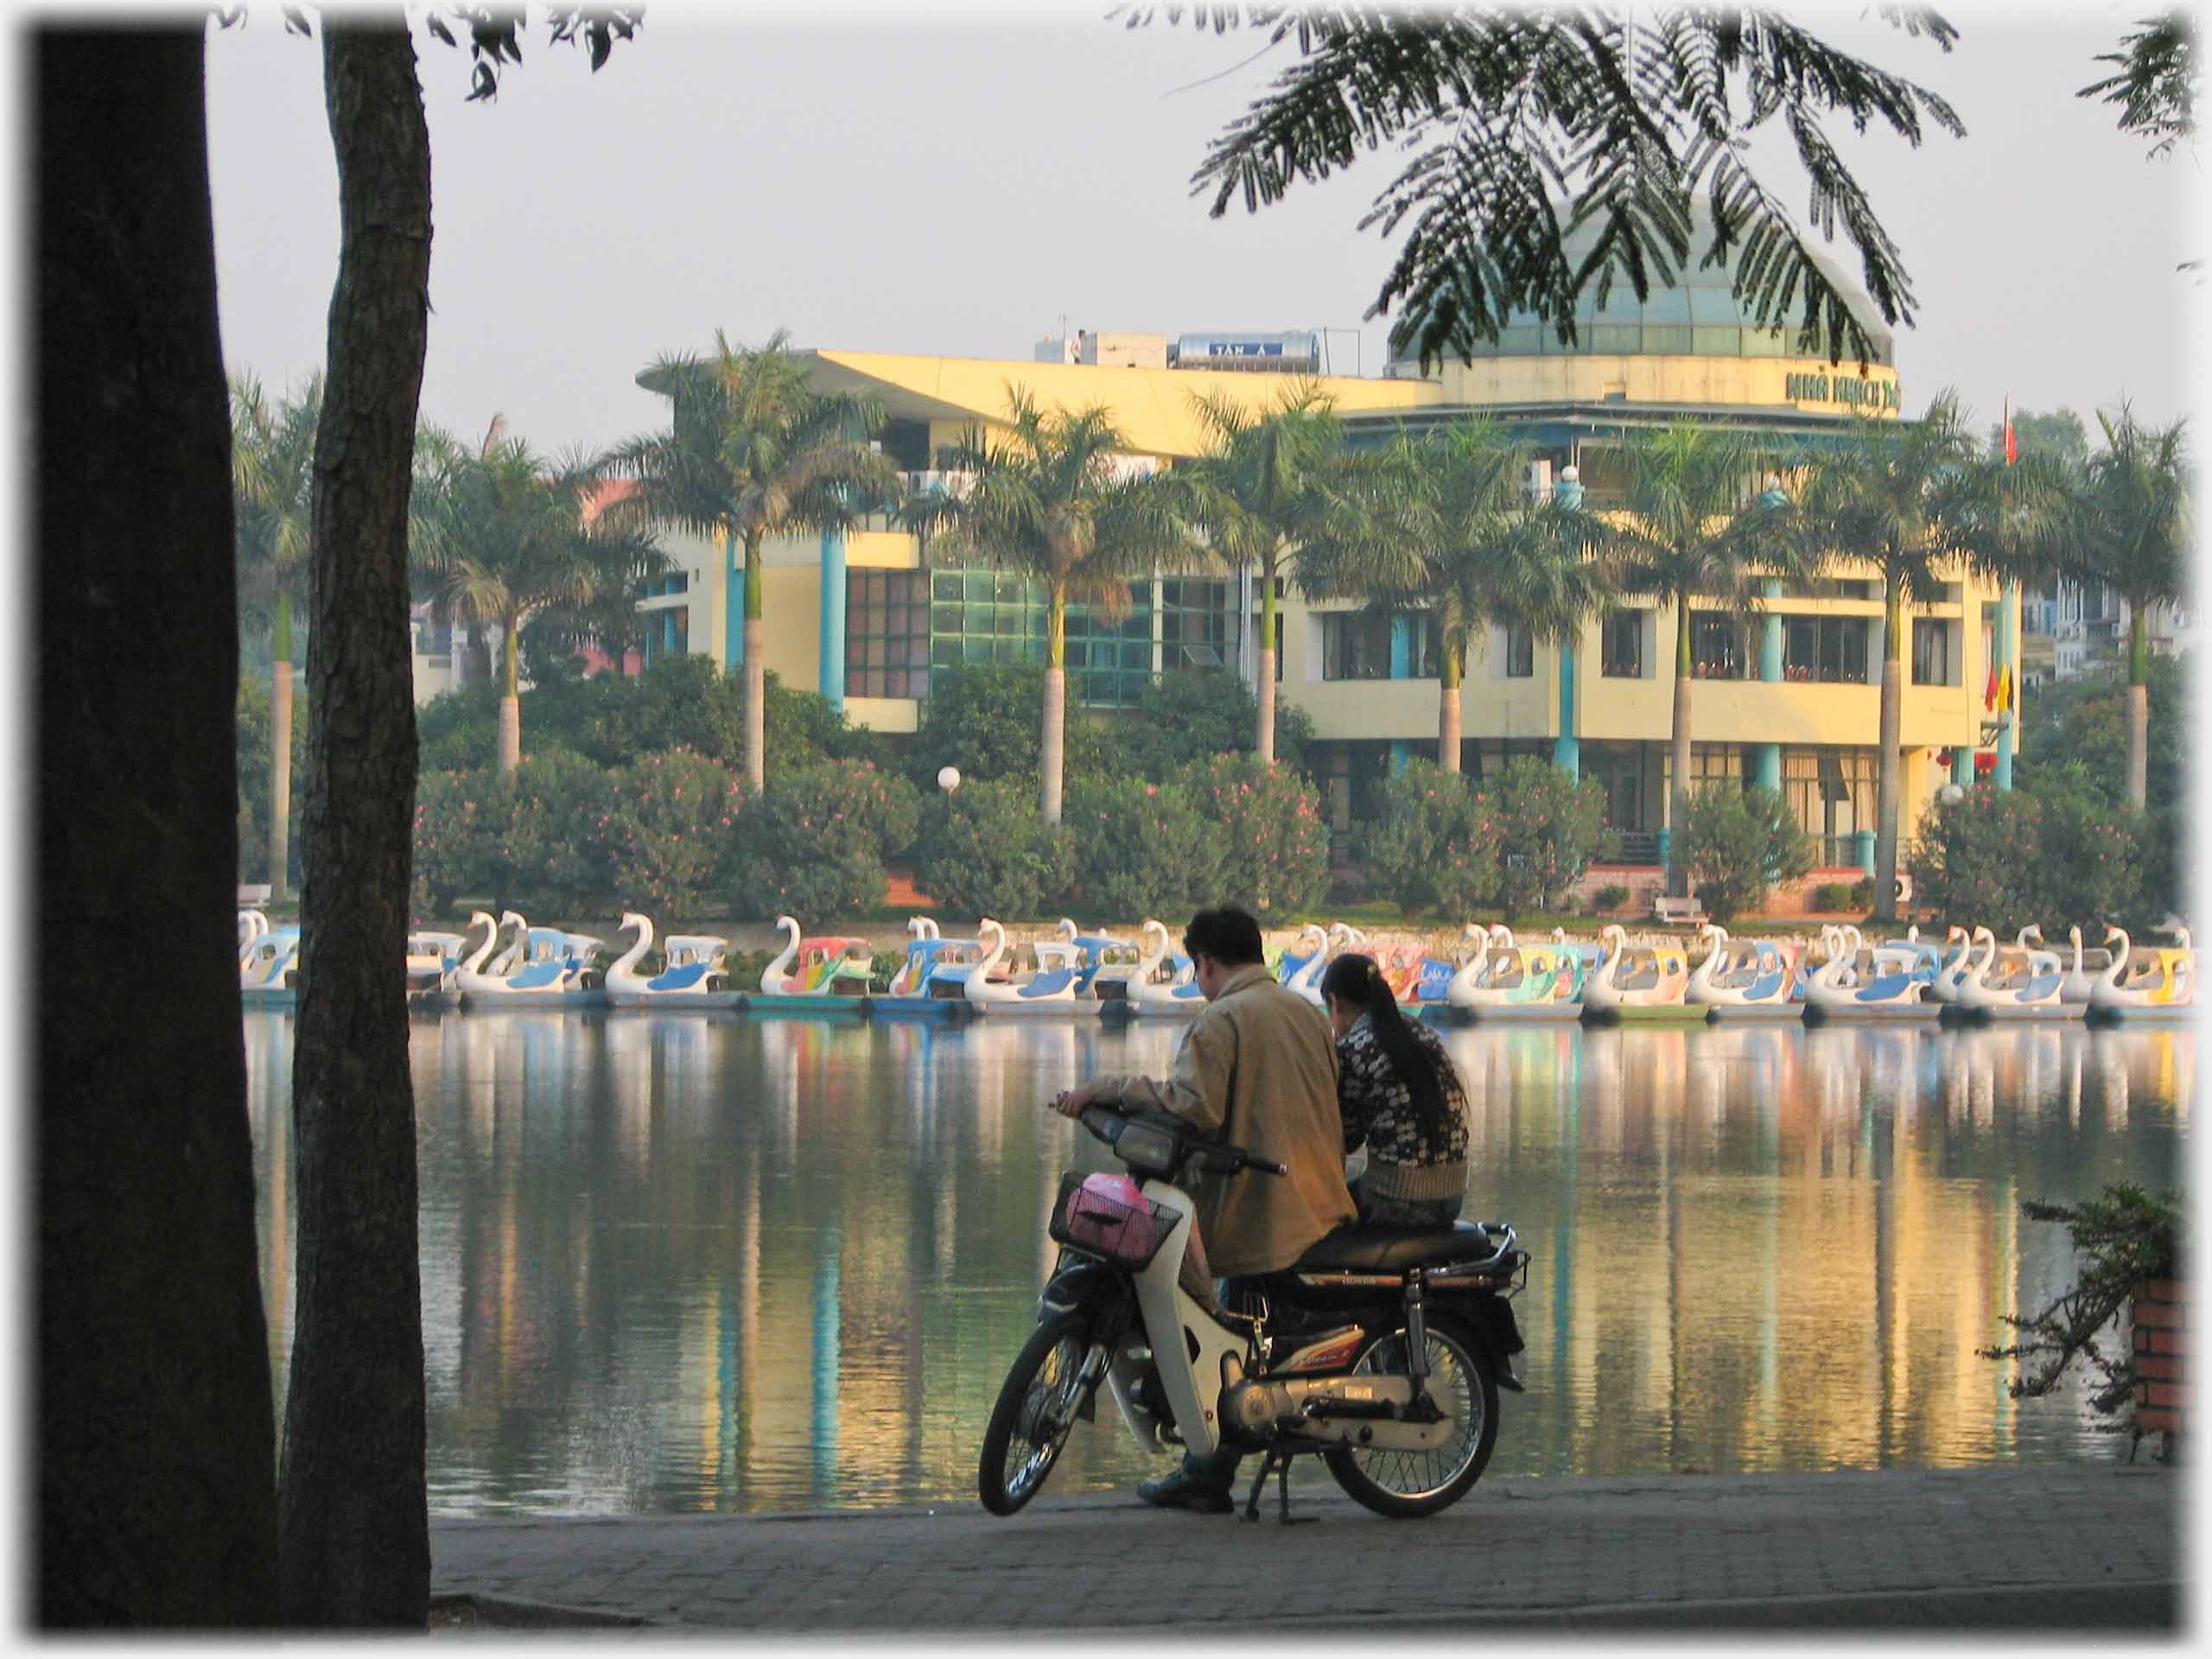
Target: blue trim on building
(831, 676)
(1566, 749)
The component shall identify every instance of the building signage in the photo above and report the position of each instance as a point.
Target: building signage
(1244, 348)
(1840, 389)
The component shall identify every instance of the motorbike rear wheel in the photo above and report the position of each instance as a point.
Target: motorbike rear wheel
(1407, 1485)
(1035, 1412)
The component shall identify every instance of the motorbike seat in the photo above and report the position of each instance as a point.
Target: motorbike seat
(1357, 1248)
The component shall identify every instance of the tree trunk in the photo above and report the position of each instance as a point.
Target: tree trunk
(1052, 743)
(280, 756)
(1265, 691)
(1678, 793)
(352, 1514)
(152, 1439)
(2139, 708)
(1448, 718)
(476, 661)
(1888, 784)
(510, 695)
(756, 673)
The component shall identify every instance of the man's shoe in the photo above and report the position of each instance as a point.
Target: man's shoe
(1180, 1491)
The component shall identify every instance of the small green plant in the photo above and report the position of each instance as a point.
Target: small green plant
(2122, 1236)
(1609, 898)
(1833, 895)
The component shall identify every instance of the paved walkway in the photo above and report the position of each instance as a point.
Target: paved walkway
(2038, 1549)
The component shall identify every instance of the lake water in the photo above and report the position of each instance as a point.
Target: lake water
(684, 1263)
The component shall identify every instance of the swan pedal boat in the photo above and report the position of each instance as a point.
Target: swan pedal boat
(931, 982)
(1638, 983)
(1888, 982)
(1108, 965)
(695, 976)
(1507, 981)
(1298, 967)
(2016, 982)
(268, 962)
(541, 965)
(1176, 996)
(1047, 993)
(434, 967)
(2146, 981)
(1747, 979)
(804, 978)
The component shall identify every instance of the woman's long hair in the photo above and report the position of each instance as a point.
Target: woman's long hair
(1355, 980)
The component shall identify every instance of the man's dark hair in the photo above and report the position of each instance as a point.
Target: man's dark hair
(1230, 936)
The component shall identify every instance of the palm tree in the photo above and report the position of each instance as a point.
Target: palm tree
(1445, 522)
(1893, 496)
(2130, 527)
(272, 480)
(1260, 494)
(1044, 499)
(514, 537)
(753, 451)
(1692, 530)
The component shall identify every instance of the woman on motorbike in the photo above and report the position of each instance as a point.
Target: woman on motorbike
(1400, 1095)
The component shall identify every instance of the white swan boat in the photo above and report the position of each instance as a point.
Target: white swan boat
(694, 975)
(2016, 983)
(543, 965)
(931, 981)
(1299, 969)
(1954, 957)
(1104, 964)
(828, 974)
(1887, 982)
(252, 925)
(269, 964)
(2088, 967)
(1506, 981)
(2146, 981)
(1648, 981)
(1744, 979)
(1176, 995)
(1048, 991)
(434, 967)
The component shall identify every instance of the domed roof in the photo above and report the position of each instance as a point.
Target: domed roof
(1698, 317)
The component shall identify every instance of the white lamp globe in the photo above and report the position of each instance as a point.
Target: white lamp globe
(948, 779)
(1952, 794)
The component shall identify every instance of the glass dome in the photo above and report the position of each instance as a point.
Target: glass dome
(1698, 317)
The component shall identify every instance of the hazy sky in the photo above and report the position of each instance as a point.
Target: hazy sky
(958, 186)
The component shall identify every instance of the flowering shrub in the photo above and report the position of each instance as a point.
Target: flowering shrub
(1435, 845)
(812, 843)
(666, 834)
(1552, 827)
(984, 851)
(1737, 843)
(1268, 823)
(452, 831)
(2059, 850)
(1141, 850)
(528, 840)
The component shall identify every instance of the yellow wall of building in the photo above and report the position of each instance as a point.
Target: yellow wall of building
(1586, 379)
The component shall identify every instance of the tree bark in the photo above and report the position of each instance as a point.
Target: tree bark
(352, 1515)
(2139, 709)
(756, 673)
(1052, 743)
(1448, 712)
(154, 1438)
(1678, 793)
(1265, 691)
(510, 755)
(1888, 789)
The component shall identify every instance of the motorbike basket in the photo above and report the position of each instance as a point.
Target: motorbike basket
(1090, 1221)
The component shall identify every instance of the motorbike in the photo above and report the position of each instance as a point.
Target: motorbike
(1382, 1350)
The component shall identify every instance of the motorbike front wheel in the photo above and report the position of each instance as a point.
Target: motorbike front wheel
(1407, 1485)
(1036, 1409)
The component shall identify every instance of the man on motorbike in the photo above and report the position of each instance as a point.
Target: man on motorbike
(1258, 1068)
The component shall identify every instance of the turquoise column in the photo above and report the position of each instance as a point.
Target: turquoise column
(1567, 748)
(733, 608)
(1663, 844)
(2008, 719)
(1401, 751)
(1766, 758)
(1401, 647)
(1863, 847)
(831, 679)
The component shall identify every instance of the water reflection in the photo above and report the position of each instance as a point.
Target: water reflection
(691, 1262)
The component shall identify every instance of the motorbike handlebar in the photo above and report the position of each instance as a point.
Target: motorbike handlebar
(1110, 1126)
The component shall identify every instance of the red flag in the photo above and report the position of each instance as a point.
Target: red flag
(2011, 444)
(1989, 696)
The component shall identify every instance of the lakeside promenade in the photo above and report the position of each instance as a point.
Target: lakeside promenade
(2037, 1550)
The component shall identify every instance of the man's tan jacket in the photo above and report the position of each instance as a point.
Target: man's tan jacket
(1258, 1068)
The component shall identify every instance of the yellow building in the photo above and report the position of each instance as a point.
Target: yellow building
(1789, 698)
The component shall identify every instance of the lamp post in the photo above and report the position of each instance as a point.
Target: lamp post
(948, 779)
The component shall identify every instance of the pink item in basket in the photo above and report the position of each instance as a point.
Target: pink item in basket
(1109, 1213)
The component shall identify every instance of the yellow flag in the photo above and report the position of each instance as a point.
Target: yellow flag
(2005, 690)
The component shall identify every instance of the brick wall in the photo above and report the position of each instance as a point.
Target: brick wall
(2159, 1312)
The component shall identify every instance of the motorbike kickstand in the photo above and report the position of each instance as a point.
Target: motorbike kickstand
(1277, 1462)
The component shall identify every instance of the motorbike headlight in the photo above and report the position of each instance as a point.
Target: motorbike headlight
(1146, 1148)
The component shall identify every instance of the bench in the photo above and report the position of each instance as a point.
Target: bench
(253, 893)
(1681, 912)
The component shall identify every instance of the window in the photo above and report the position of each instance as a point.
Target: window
(887, 634)
(1424, 646)
(1355, 645)
(1621, 655)
(1831, 791)
(1932, 657)
(1520, 654)
(1829, 649)
(1718, 648)
(1195, 627)
(664, 587)
(667, 633)
(1618, 769)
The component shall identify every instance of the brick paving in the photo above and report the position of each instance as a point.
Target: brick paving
(2035, 1548)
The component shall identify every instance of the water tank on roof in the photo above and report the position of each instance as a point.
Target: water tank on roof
(1296, 351)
